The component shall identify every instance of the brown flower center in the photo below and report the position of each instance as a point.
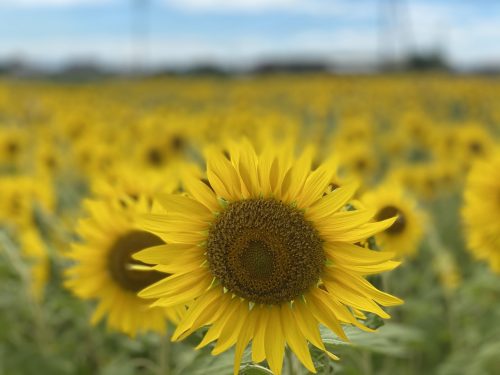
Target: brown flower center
(390, 212)
(265, 251)
(155, 157)
(120, 261)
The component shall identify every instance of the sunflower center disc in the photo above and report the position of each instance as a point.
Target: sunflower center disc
(390, 212)
(120, 260)
(265, 251)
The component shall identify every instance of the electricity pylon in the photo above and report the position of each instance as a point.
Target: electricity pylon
(395, 31)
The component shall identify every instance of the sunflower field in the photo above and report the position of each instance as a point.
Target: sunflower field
(269, 224)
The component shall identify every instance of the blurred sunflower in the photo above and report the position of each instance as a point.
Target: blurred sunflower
(359, 161)
(418, 127)
(481, 211)
(354, 129)
(13, 146)
(265, 255)
(49, 159)
(104, 269)
(475, 141)
(422, 180)
(34, 251)
(122, 186)
(447, 270)
(161, 147)
(404, 235)
(21, 196)
(338, 179)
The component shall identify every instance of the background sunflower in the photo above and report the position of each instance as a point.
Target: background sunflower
(480, 212)
(104, 269)
(81, 140)
(404, 236)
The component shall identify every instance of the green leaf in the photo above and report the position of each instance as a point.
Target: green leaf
(392, 339)
(205, 363)
(255, 370)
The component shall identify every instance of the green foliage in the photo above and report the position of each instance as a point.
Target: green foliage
(437, 330)
(440, 329)
(255, 370)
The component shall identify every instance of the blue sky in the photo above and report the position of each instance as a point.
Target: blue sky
(241, 32)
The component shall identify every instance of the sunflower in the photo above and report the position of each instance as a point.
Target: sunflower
(21, 196)
(481, 212)
(105, 271)
(476, 142)
(359, 161)
(34, 251)
(49, 159)
(260, 253)
(161, 146)
(121, 185)
(14, 144)
(404, 235)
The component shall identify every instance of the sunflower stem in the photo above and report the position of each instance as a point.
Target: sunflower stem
(367, 363)
(438, 248)
(291, 362)
(164, 355)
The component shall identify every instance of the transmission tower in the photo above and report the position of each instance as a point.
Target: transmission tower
(395, 31)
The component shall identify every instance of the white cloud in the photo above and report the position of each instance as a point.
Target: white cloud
(344, 46)
(244, 50)
(241, 5)
(49, 3)
(308, 7)
(466, 36)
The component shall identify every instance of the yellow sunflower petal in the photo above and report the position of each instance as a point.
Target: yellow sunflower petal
(183, 296)
(232, 328)
(347, 253)
(294, 181)
(175, 286)
(193, 238)
(201, 192)
(342, 221)
(167, 253)
(315, 185)
(339, 310)
(100, 311)
(191, 263)
(331, 202)
(215, 330)
(365, 288)
(246, 164)
(210, 314)
(244, 337)
(309, 326)
(180, 204)
(258, 350)
(295, 339)
(158, 223)
(321, 311)
(371, 269)
(274, 343)
(363, 232)
(350, 297)
(275, 176)
(222, 176)
(196, 309)
(264, 170)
